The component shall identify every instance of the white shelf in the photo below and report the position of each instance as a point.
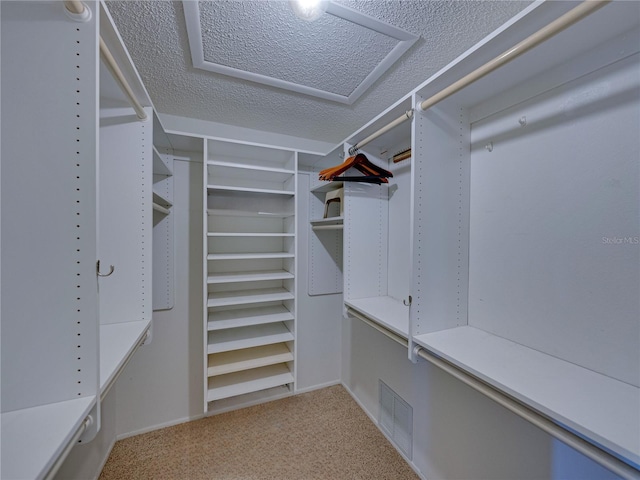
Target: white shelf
(248, 381)
(244, 166)
(248, 256)
(243, 297)
(231, 188)
(118, 342)
(599, 408)
(386, 311)
(248, 316)
(248, 358)
(160, 200)
(161, 209)
(328, 221)
(255, 276)
(159, 165)
(326, 187)
(250, 234)
(248, 337)
(34, 438)
(244, 213)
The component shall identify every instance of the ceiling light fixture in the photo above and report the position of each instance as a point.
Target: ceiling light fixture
(308, 10)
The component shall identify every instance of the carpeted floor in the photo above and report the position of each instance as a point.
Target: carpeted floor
(317, 435)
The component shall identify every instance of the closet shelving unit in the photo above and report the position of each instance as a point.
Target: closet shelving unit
(163, 218)
(250, 252)
(516, 281)
(378, 230)
(85, 338)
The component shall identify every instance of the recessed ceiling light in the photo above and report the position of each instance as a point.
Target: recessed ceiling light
(308, 10)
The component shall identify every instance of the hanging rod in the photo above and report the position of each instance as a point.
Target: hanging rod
(408, 115)
(67, 449)
(561, 23)
(78, 8)
(596, 454)
(572, 16)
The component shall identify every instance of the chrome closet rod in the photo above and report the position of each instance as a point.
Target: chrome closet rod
(77, 7)
(574, 15)
(574, 441)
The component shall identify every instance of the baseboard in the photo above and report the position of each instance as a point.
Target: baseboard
(375, 422)
(159, 426)
(318, 387)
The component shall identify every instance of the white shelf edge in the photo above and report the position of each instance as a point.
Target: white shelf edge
(268, 191)
(248, 256)
(244, 213)
(249, 296)
(44, 432)
(159, 199)
(248, 234)
(248, 337)
(249, 381)
(385, 311)
(248, 317)
(246, 359)
(244, 166)
(566, 393)
(253, 276)
(326, 187)
(327, 221)
(118, 343)
(161, 209)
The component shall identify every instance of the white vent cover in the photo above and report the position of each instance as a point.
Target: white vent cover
(396, 419)
(336, 58)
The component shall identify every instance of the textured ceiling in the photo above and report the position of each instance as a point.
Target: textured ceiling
(156, 36)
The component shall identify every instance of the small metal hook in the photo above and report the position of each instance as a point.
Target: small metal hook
(405, 302)
(111, 269)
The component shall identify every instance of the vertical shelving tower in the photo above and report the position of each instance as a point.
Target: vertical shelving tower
(250, 251)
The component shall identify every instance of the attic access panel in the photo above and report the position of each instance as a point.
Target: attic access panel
(337, 57)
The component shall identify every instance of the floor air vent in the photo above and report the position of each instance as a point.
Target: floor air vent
(396, 419)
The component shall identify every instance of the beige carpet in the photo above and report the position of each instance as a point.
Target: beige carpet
(318, 435)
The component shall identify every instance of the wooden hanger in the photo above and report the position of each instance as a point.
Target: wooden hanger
(360, 162)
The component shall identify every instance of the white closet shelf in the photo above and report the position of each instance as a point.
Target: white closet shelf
(245, 166)
(599, 408)
(159, 165)
(241, 297)
(386, 311)
(248, 358)
(231, 188)
(248, 256)
(248, 381)
(160, 200)
(243, 213)
(326, 187)
(160, 209)
(328, 221)
(254, 276)
(249, 234)
(248, 316)
(34, 438)
(248, 337)
(118, 343)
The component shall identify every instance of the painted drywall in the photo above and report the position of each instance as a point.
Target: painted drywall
(458, 433)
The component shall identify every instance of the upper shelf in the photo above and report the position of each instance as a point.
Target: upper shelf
(599, 408)
(386, 311)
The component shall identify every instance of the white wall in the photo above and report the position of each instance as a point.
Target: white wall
(458, 432)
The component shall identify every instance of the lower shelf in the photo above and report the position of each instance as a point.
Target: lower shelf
(34, 438)
(248, 381)
(248, 337)
(248, 358)
(601, 409)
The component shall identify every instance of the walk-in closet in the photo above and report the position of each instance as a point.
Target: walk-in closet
(320, 240)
